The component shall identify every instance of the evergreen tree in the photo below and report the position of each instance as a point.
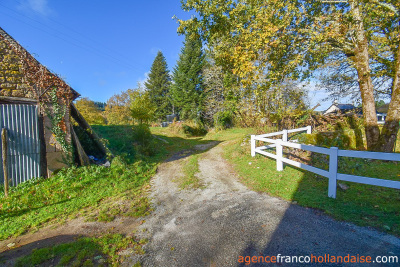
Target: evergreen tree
(158, 85)
(187, 89)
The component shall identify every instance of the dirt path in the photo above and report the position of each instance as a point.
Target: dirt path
(216, 225)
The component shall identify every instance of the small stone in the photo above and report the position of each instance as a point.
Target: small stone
(11, 245)
(343, 187)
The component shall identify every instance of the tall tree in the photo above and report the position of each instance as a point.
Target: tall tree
(278, 39)
(158, 87)
(187, 89)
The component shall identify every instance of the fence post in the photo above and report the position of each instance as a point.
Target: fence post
(279, 163)
(308, 129)
(4, 151)
(285, 136)
(333, 166)
(253, 145)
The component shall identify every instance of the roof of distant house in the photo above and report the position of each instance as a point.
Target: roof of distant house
(336, 107)
(345, 106)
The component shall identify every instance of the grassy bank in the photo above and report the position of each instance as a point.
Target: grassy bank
(67, 194)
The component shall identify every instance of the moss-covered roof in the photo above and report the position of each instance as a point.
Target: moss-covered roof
(21, 75)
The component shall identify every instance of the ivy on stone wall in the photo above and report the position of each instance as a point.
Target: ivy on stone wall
(56, 114)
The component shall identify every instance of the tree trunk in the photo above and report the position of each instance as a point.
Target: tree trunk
(388, 136)
(361, 60)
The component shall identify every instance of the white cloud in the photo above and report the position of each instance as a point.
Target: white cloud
(142, 81)
(39, 6)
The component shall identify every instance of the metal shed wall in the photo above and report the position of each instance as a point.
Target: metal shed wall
(21, 122)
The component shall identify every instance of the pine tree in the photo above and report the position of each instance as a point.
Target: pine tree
(187, 89)
(158, 86)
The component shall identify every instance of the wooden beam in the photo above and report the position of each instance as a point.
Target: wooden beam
(83, 123)
(83, 158)
(17, 100)
(43, 150)
(4, 156)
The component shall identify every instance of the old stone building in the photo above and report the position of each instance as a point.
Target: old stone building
(27, 93)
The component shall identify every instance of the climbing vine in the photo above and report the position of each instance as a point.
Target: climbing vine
(56, 115)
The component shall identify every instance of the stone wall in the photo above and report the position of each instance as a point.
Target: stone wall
(12, 78)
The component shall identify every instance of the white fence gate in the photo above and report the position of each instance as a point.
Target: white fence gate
(333, 154)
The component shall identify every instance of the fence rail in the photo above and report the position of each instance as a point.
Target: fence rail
(333, 153)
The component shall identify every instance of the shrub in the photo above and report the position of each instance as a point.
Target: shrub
(223, 119)
(188, 128)
(144, 140)
(197, 129)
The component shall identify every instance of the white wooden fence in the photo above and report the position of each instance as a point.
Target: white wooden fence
(333, 153)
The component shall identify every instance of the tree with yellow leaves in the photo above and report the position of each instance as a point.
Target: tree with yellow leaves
(90, 111)
(273, 40)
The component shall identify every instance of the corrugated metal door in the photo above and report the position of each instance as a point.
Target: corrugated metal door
(21, 122)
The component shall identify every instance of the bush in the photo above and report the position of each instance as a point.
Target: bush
(327, 139)
(189, 128)
(144, 140)
(194, 129)
(223, 119)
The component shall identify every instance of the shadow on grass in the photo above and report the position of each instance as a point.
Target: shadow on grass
(10, 214)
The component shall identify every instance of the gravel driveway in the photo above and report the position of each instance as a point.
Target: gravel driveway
(224, 222)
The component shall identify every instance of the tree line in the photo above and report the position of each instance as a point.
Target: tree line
(258, 56)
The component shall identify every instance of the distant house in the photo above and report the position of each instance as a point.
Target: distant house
(337, 108)
(381, 113)
(25, 105)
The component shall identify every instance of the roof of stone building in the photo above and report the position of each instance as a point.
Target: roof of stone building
(21, 75)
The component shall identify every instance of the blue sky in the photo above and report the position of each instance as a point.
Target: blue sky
(99, 47)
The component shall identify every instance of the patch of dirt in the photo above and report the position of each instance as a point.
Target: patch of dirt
(65, 233)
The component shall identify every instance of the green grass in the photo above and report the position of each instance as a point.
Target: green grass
(67, 194)
(91, 191)
(364, 205)
(87, 251)
(190, 169)
(119, 138)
